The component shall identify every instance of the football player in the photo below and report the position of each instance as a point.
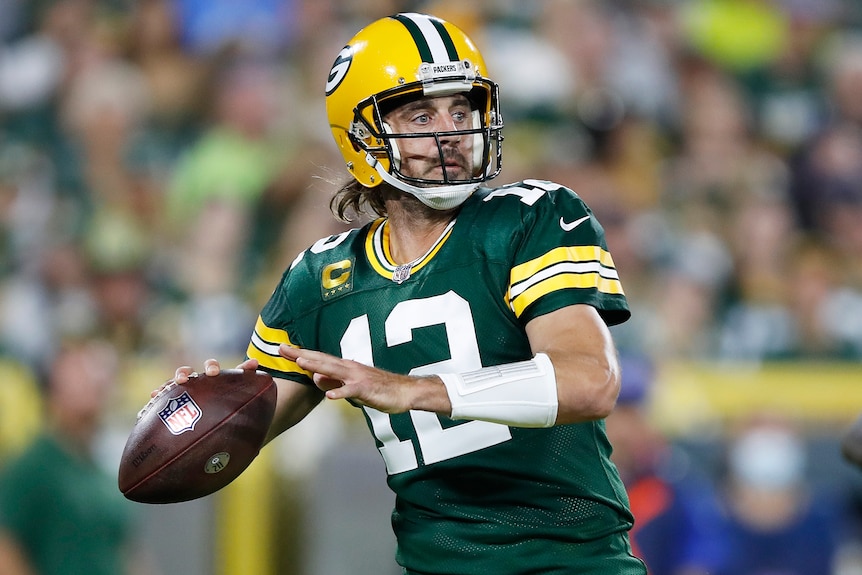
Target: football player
(468, 323)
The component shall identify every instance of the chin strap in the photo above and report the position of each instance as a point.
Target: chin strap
(435, 197)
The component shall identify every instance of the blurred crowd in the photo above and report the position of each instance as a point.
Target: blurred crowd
(162, 162)
(757, 505)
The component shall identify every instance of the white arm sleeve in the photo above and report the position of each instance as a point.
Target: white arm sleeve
(520, 394)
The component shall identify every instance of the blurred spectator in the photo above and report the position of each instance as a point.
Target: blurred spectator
(816, 282)
(786, 91)
(72, 519)
(35, 63)
(103, 107)
(676, 510)
(253, 27)
(827, 172)
(176, 80)
(758, 323)
(826, 199)
(213, 194)
(718, 175)
(805, 311)
(737, 35)
(237, 157)
(49, 301)
(776, 522)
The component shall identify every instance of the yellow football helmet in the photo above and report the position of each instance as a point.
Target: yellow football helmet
(397, 59)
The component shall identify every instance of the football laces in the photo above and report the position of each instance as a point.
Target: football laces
(169, 385)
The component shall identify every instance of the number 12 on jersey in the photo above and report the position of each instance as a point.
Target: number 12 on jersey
(434, 442)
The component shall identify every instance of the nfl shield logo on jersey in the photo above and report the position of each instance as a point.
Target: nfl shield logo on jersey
(181, 414)
(402, 273)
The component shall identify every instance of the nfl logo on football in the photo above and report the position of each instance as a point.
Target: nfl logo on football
(180, 414)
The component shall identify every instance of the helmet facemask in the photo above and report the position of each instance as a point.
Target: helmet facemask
(370, 133)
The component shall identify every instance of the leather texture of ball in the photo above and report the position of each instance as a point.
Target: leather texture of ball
(193, 439)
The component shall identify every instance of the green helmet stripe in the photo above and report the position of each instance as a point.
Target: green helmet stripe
(430, 36)
(447, 40)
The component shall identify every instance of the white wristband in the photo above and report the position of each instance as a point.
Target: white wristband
(520, 394)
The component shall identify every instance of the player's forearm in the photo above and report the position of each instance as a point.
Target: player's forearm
(293, 402)
(519, 394)
(540, 392)
(427, 393)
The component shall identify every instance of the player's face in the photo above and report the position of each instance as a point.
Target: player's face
(420, 157)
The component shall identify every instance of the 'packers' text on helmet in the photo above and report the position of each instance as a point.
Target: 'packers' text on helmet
(402, 58)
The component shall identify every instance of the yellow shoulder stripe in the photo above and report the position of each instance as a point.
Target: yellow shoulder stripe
(269, 334)
(583, 267)
(264, 347)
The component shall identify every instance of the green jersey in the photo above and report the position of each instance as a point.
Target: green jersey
(472, 497)
(65, 512)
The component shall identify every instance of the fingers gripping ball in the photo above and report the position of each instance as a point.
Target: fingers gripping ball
(193, 439)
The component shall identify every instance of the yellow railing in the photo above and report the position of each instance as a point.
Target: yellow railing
(689, 398)
(245, 521)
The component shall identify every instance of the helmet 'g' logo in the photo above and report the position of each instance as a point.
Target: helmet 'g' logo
(339, 69)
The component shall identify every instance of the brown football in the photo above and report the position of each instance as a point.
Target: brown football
(193, 439)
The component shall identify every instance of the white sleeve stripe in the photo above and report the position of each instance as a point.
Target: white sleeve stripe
(564, 268)
(264, 346)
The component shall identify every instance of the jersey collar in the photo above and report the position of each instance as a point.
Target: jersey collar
(379, 255)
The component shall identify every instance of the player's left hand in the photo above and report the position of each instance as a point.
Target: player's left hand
(211, 368)
(347, 379)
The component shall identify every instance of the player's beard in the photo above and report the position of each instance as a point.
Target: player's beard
(457, 166)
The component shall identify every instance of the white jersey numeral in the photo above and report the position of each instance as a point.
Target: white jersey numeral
(435, 443)
(529, 195)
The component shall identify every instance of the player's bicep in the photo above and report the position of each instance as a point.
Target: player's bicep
(294, 401)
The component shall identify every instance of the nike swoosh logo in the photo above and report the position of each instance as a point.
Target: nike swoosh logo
(569, 227)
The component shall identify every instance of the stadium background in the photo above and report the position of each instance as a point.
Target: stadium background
(718, 141)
